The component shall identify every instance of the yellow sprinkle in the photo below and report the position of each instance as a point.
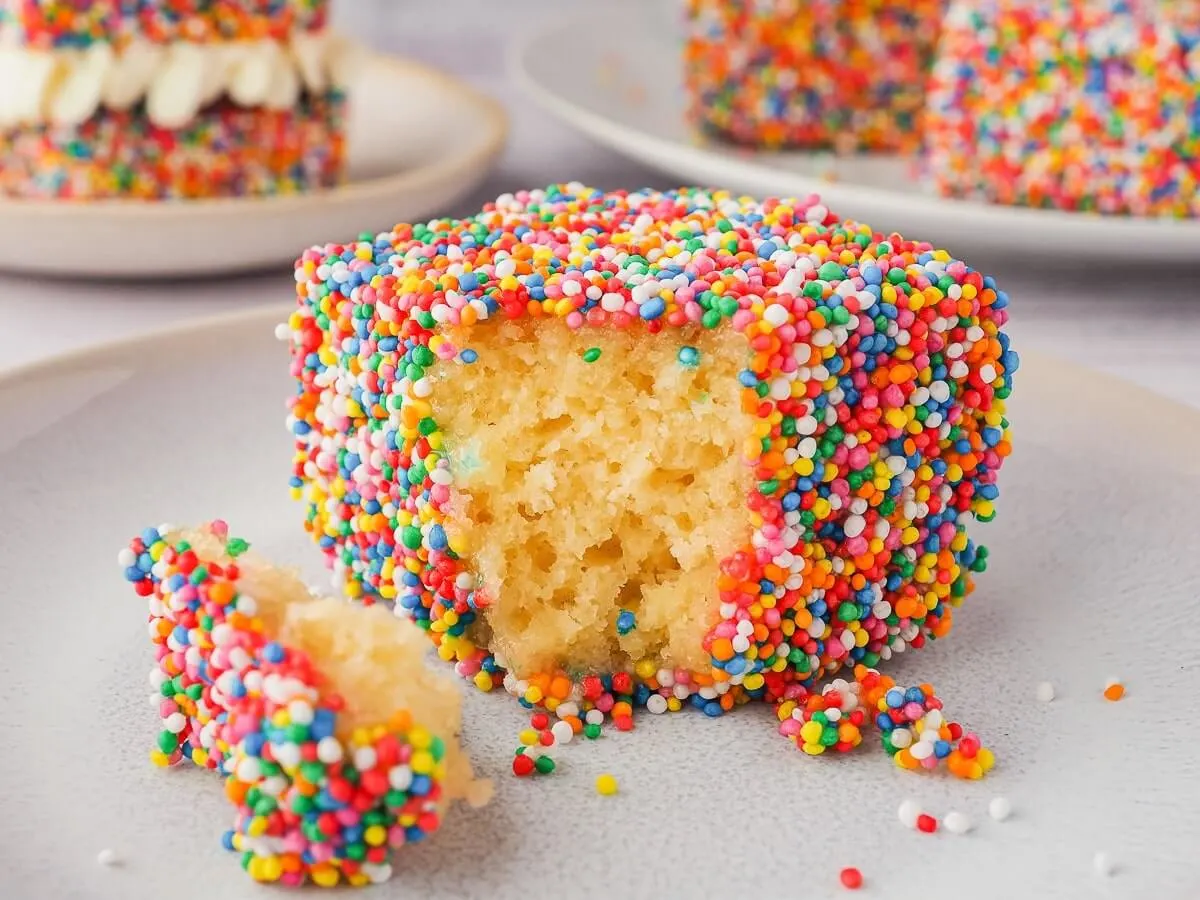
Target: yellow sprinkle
(606, 785)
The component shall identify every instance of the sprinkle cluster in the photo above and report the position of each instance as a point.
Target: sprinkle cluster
(313, 805)
(876, 373)
(914, 731)
(912, 727)
(227, 150)
(846, 74)
(1069, 104)
(76, 23)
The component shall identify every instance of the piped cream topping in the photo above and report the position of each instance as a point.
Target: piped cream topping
(67, 86)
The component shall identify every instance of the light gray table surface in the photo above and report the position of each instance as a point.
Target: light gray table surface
(1139, 323)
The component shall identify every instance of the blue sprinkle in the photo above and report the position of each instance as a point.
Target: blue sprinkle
(626, 622)
(652, 309)
(468, 356)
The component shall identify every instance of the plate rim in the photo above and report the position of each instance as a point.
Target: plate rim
(494, 115)
(264, 315)
(621, 136)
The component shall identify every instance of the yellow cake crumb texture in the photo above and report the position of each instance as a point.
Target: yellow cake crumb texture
(608, 483)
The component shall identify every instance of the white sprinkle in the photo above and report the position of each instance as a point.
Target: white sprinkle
(282, 332)
(1103, 864)
(1045, 692)
(126, 558)
(562, 732)
(329, 750)
(656, 704)
(957, 823)
(107, 857)
(908, 812)
(594, 717)
(999, 809)
(400, 777)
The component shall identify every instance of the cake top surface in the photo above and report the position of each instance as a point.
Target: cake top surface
(55, 24)
(670, 258)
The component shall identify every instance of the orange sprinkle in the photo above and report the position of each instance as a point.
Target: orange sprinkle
(1114, 691)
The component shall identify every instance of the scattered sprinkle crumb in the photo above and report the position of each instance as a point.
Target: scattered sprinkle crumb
(606, 785)
(927, 823)
(908, 812)
(1103, 864)
(1045, 692)
(1000, 808)
(1113, 689)
(957, 823)
(107, 857)
(851, 878)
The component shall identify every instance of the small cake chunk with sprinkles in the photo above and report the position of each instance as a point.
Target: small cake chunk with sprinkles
(336, 744)
(1079, 105)
(763, 477)
(841, 74)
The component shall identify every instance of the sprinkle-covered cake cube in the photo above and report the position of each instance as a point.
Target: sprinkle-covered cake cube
(615, 450)
(169, 100)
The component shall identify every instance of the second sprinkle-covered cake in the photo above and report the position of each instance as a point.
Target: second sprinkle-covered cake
(168, 99)
(673, 448)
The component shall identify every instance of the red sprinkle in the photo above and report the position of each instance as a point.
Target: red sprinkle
(522, 765)
(851, 878)
(540, 721)
(926, 823)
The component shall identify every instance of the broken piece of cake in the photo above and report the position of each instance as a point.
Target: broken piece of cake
(330, 766)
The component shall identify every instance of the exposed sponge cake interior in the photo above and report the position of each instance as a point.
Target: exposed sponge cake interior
(587, 488)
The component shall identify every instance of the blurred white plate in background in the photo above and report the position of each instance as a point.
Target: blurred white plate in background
(628, 94)
(418, 140)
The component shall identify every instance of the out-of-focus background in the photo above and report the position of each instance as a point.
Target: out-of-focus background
(1138, 322)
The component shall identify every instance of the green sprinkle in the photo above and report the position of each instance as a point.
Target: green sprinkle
(235, 547)
(544, 765)
(831, 270)
(591, 730)
(591, 354)
(168, 743)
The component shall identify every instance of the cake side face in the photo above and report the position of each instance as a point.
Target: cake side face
(456, 451)
(840, 74)
(224, 150)
(1080, 105)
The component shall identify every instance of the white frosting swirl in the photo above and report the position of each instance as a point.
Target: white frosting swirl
(67, 86)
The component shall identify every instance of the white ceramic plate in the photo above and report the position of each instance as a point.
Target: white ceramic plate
(1095, 572)
(417, 140)
(628, 94)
